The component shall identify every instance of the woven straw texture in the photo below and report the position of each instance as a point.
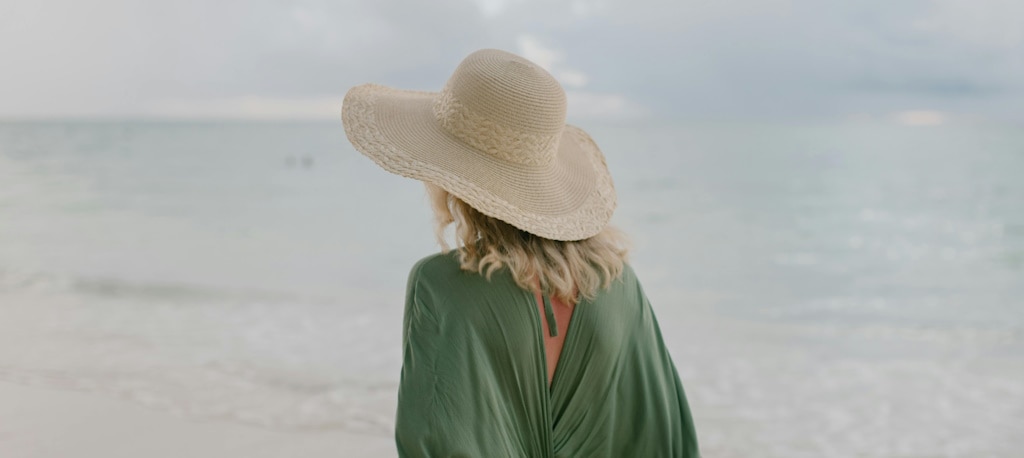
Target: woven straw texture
(494, 136)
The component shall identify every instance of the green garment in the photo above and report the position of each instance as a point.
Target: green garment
(474, 375)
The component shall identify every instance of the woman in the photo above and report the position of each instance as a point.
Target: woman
(534, 337)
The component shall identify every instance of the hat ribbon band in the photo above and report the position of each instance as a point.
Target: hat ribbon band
(495, 139)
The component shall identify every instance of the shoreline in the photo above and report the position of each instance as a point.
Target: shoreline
(40, 422)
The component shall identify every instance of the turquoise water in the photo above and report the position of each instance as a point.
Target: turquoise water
(828, 290)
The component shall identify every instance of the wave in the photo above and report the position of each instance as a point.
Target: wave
(15, 281)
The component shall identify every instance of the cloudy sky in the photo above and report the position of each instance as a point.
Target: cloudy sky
(921, 61)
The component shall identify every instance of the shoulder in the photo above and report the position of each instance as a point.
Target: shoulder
(626, 292)
(422, 284)
(440, 275)
(628, 278)
(628, 272)
(439, 283)
(435, 265)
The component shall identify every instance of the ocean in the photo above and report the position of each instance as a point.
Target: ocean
(832, 289)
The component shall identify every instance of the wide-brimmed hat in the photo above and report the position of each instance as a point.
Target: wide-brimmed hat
(495, 136)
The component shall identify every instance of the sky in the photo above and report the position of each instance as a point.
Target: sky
(911, 61)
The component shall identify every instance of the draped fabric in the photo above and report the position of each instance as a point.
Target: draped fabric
(474, 375)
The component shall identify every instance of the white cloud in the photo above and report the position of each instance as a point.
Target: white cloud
(532, 49)
(675, 58)
(584, 105)
(920, 118)
(551, 60)
(250, 107)
(996, 23)
(588, 7)
(122, 58)
(491, 8)
(572, 78)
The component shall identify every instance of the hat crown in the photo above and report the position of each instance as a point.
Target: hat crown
(505, 106)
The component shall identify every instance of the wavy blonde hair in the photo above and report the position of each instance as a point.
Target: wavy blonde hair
(562, 268)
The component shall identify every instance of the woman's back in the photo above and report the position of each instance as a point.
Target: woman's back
(474, 376)
(530, 198)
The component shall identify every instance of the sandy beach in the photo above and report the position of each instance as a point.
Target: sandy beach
(46, 423)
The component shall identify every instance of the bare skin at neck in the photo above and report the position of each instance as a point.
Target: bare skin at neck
(553, 345)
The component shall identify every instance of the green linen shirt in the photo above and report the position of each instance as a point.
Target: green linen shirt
(474, 374)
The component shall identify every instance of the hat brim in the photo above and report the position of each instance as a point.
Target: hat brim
(571, 198)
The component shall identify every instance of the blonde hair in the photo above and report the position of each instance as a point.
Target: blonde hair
(562, 268)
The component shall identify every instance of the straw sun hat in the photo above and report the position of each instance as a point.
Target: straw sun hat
(495, 136)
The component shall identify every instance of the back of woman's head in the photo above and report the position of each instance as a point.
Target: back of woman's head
(562, 268)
